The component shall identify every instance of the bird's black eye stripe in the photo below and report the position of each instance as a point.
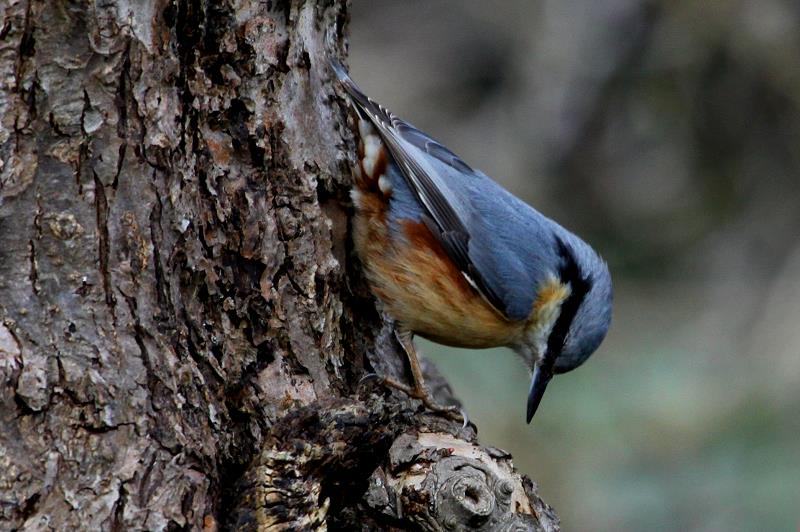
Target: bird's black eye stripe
(568, 272)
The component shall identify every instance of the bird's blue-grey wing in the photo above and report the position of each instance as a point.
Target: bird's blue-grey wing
(468, 212)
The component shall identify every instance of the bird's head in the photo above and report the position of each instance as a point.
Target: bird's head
(570, 318)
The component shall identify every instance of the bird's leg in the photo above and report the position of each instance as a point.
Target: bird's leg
(419, 391)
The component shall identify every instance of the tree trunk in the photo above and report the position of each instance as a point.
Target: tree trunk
(183, 326)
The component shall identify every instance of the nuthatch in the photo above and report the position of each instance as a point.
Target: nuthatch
(456, 258)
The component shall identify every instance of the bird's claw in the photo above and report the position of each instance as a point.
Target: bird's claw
(453, 412)
(370, 377)
(465, 417)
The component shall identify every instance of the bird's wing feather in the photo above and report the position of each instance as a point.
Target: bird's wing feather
(448, 207)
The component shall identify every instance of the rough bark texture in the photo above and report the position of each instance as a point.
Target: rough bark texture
(182, 325)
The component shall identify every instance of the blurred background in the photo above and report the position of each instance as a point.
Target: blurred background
(667, 134)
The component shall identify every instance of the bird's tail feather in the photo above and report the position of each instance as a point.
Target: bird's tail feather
(366, 106)
(339, 69)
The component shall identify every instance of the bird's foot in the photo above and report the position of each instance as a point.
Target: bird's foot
(420, 393)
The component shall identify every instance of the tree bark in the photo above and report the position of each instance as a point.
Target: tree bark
(183, 326)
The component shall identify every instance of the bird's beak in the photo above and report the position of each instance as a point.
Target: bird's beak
(538, 385)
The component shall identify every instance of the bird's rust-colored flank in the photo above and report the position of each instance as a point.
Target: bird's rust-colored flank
(416, 280)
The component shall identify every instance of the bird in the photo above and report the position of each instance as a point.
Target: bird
(456, 258)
